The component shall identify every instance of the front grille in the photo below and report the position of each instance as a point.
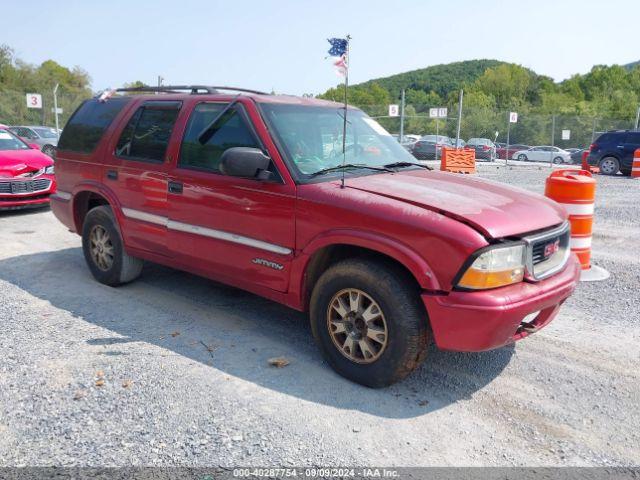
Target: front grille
(547, 252)
(22, 187)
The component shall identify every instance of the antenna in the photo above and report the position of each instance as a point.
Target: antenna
(344, 119)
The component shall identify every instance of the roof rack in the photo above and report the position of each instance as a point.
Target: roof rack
(193, 89)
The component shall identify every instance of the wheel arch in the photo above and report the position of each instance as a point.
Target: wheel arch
(88, 196)
(324, 252)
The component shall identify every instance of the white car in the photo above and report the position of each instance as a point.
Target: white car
(543, 154)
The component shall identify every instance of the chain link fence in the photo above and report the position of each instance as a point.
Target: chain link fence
(14, 110)
(532, 129)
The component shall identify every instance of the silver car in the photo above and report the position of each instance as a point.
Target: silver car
(45, 137)
(543, 154)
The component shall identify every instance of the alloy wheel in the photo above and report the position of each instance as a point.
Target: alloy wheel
(101, 248)
(357, 326)
(608, 166)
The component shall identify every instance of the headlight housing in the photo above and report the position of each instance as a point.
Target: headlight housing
(494, 266)
(49, 170)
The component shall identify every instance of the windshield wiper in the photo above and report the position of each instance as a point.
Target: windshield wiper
(407, 164)
(350, 165)
(208, 131)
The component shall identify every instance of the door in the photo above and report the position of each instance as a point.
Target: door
(137, 169)
(239, 229)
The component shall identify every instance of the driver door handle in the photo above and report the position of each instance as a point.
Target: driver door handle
(174, 187)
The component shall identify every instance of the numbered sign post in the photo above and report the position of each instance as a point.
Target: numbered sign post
(437, 113)
(394, 110)
(34, 100)
(513, 118)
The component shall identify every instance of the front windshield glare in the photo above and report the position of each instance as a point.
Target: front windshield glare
(9, 142)
(312, 138)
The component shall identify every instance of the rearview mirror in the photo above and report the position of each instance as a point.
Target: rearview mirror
(245, 162)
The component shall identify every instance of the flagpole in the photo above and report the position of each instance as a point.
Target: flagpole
(344, 122)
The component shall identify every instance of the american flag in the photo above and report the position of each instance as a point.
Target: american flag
(339, 49)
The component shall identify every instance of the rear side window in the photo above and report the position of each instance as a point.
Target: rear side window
(147, 133)
(89, 122)
(231, 131)
(605, 138)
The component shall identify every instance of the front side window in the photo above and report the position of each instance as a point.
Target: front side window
(311, 137)
(11, 142)
(231, 130)
(147, 133)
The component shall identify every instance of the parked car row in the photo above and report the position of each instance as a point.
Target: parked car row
(429, 147)
(45, 137)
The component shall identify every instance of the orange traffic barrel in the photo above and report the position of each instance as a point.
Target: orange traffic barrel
(575, 190)
(585, 165)
(635, 167)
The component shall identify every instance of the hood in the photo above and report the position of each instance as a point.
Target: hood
(18, 162)
(494, 209)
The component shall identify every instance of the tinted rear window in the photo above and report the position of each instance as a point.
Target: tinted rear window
(89, 122)
(633, 137)
(605, 138)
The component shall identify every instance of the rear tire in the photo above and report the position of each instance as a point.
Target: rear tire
(353, 342)
(609, 166)
(522, 157)
(104, 250)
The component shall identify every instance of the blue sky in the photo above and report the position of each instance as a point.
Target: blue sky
(281, 45)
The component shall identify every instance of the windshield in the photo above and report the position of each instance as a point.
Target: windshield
(10, 142)
(46, 132)
(312, 138)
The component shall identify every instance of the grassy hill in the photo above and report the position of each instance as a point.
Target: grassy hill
(440, 79)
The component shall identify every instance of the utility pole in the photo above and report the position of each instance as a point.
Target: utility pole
(160, 79)
(637, 115)
(459, 118)
(402, 117)
(55, 107)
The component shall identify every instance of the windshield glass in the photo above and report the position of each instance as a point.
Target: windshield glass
(10, 142)
(312, 138)
(46, 132)
(441, 139)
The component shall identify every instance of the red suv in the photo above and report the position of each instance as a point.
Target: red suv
(256, 191)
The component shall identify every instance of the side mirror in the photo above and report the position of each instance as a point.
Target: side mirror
(34, 146)
(245, 162)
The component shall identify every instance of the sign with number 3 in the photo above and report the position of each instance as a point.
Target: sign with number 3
(34, 100)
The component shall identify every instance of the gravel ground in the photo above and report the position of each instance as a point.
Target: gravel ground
(172, 369)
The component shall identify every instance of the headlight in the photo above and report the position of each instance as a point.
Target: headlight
(495, 267)
(49, 170)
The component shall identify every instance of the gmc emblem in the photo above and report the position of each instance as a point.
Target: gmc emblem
(551, 248)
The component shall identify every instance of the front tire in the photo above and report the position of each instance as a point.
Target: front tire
(104, 250)
(558, 160)
(609, 166)
(369, 322)
(49, 150)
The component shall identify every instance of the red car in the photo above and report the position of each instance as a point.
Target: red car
(256, 191)
(26, 174)
(501, 151)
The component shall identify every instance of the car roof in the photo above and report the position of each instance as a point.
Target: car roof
(222, 94)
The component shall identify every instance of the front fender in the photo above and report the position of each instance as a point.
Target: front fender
(400, 252)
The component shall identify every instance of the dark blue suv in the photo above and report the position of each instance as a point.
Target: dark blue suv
(613, 151)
